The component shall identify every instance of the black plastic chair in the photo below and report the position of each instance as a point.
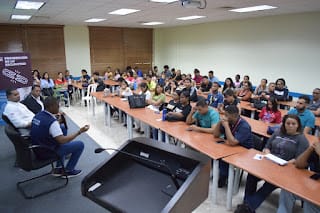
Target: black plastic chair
(27, 160)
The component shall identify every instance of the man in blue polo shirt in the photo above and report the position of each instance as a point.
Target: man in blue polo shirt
(236, 131)
(307, 118)
(46, 131)
(204, 117)
(215, 97)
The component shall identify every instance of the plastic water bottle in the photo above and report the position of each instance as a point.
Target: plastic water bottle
(164, 114)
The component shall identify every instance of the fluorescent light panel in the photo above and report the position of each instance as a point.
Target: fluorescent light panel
(190, 18)
(152, 23)
(28, 5)
(164, 1)
(20, 17)
(91, 20)
(123, 11)
(252, 9)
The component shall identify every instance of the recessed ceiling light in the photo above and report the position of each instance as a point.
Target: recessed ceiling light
(95, 20)
(20, 17)
(152, 23)
(164, 1)
(254, 8)
(123, 12)
(29, 5)
(190, 17)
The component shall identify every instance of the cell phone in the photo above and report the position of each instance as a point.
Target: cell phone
(315, 176)
(220, 141)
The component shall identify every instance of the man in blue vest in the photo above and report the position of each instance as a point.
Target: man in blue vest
(46, 131)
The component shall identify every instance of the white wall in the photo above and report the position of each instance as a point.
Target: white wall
(77, 49)
(285, 46)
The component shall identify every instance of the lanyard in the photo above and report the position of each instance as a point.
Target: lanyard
(235, 126)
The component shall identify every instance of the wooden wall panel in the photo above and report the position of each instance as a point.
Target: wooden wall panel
(45, 43)
(120, 47)
(46, 47)
(10, 38)
(106, 48)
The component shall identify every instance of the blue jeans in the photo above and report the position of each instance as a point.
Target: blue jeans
(287, 201)
(155, 135)
(64, 129)
(73, 147)
(254, 198)
(223, 169)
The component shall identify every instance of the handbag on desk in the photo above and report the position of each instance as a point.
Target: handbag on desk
(137, 101)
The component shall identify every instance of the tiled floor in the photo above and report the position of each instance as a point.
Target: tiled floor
(113, 137)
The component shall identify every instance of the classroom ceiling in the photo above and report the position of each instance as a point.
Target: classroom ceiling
(74, 12)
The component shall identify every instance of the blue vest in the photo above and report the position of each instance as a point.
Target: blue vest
(40, 135)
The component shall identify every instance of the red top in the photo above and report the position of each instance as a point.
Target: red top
(59, 82)
(270, 116)
(198, 79)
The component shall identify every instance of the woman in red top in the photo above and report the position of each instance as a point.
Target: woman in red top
(60, 81)
(61, 84)
(270, 112)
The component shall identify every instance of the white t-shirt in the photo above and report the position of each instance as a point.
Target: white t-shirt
(19, 115)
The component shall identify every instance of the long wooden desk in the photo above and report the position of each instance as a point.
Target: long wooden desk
(111, 83)
(202, 142)
(286, 177)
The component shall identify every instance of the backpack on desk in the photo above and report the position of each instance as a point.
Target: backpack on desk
(137, 101)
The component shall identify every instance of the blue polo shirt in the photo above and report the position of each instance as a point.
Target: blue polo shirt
(215, 99)
(208, 119)
(306, 117)
(242, 132)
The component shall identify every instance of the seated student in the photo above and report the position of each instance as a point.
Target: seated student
(205, 86)
(215, 97)
(158, 97)
(265, 95)
(181, 109)
(236, 131)
(47, 85)
(62, 85)
(84, 77)
(96, 80)
(270, 113)
(237, 81)
(211, 77)
(189, 88)
(170, 87)
(307, 118)
(18, 114)
(178, 76)
(246, 79)
(34, 101)
(150, 83)
(281, 92)
(229, 99)
(262, 87)
(244, 94)
(197, 77)
(308, 159)
(36, 77)
(202, 118)
(228, 84)
(124, 90)
(117, 74)
(287, 143)
(314, 105)
(143, 90)
(46, 131)
(69, 79)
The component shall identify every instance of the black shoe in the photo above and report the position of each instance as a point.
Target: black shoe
(222, 182)
(243, 208)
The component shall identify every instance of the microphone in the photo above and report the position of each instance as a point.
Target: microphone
(163, 165)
